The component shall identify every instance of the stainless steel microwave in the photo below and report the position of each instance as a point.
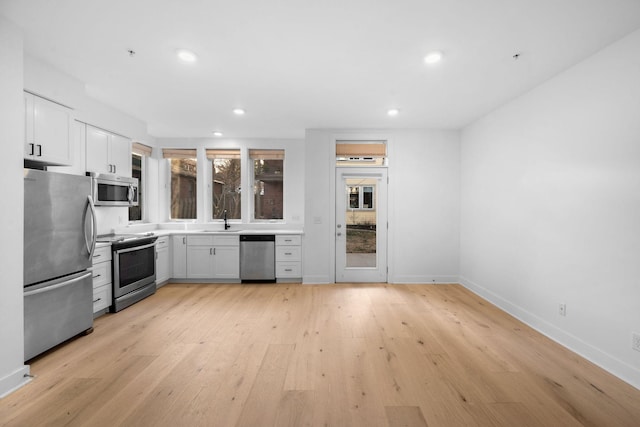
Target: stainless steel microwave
(113, 190)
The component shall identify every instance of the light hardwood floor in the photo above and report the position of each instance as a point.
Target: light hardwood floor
(334, 355)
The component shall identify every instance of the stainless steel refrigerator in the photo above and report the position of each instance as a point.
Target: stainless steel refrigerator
(59, 240)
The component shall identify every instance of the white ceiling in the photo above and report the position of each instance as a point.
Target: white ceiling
(297, 64)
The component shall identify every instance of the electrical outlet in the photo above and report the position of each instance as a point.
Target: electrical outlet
(635, 341)
(562, 309)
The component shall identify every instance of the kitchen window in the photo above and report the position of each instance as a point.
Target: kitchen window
(226, 172)
(183, 165)
(268, 184)
(139, 154)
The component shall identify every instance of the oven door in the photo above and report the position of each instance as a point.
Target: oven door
(133, 268)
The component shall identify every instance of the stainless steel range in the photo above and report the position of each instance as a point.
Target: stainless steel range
(134, 268)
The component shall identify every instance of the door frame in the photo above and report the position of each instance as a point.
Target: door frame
(382, 207)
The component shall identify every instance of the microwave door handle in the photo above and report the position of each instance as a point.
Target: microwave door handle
(91, 247)
(130, 194)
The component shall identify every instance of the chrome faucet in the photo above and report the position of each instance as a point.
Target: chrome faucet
(226, 224)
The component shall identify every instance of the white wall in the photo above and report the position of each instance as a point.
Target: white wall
(423, 212)
(424, 206)
(293, 177)
(12, 368)
(551, 207)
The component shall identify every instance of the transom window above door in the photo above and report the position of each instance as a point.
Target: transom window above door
(361, 153)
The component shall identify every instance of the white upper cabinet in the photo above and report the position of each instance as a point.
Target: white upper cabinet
(108, 152)
(121, 155)
(47, 131)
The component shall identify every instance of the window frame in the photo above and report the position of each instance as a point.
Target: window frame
(144, 152)
(180, 154)
(360, 193)
(213, 154)
(142, 189)
(254, 155)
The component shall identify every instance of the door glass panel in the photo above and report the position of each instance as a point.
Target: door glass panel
(361, 221)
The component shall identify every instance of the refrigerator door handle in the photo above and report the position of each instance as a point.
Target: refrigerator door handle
(59, 285)
(91, 246)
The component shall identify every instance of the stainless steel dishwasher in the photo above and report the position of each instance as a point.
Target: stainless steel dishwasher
(258, 258)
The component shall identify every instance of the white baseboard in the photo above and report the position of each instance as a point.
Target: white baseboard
(620, 369)
(14, 380)
(426, 280)
(316, 280)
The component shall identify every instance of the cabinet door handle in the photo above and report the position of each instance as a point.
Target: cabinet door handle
(115, 169)
(39, 150)
(184, 240)
(96, 300)
(96, 256)
(288, 269)
(96, 276)
(33, 149)
(210, 251)
(287, 253)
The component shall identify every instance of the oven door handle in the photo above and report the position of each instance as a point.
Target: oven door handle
(135, 248)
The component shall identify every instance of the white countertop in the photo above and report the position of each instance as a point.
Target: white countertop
(213, 230)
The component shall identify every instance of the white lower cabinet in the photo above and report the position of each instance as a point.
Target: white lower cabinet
(226, 262)
(213, 257)
(179, 255)
(288, 256)
(163, 264)
(199, 262)
(102, 291)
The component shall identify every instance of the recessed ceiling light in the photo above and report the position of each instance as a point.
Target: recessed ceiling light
(186, 55)
(217, 133)
(433, 57)
(393, 112)
(238, 111)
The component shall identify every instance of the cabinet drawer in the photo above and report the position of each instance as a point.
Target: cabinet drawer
(162, 242)
(199, 240)
(288, 269)
(226, 240)
(288, 253)
(101, 298)
(101, 273)
(102, 254)
(288, 240)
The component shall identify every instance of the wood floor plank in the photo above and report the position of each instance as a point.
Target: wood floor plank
(295, 408)
(405, 416)
(261, 406)
(330, 355)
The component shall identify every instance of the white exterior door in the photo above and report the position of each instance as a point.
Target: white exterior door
(361, 225)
